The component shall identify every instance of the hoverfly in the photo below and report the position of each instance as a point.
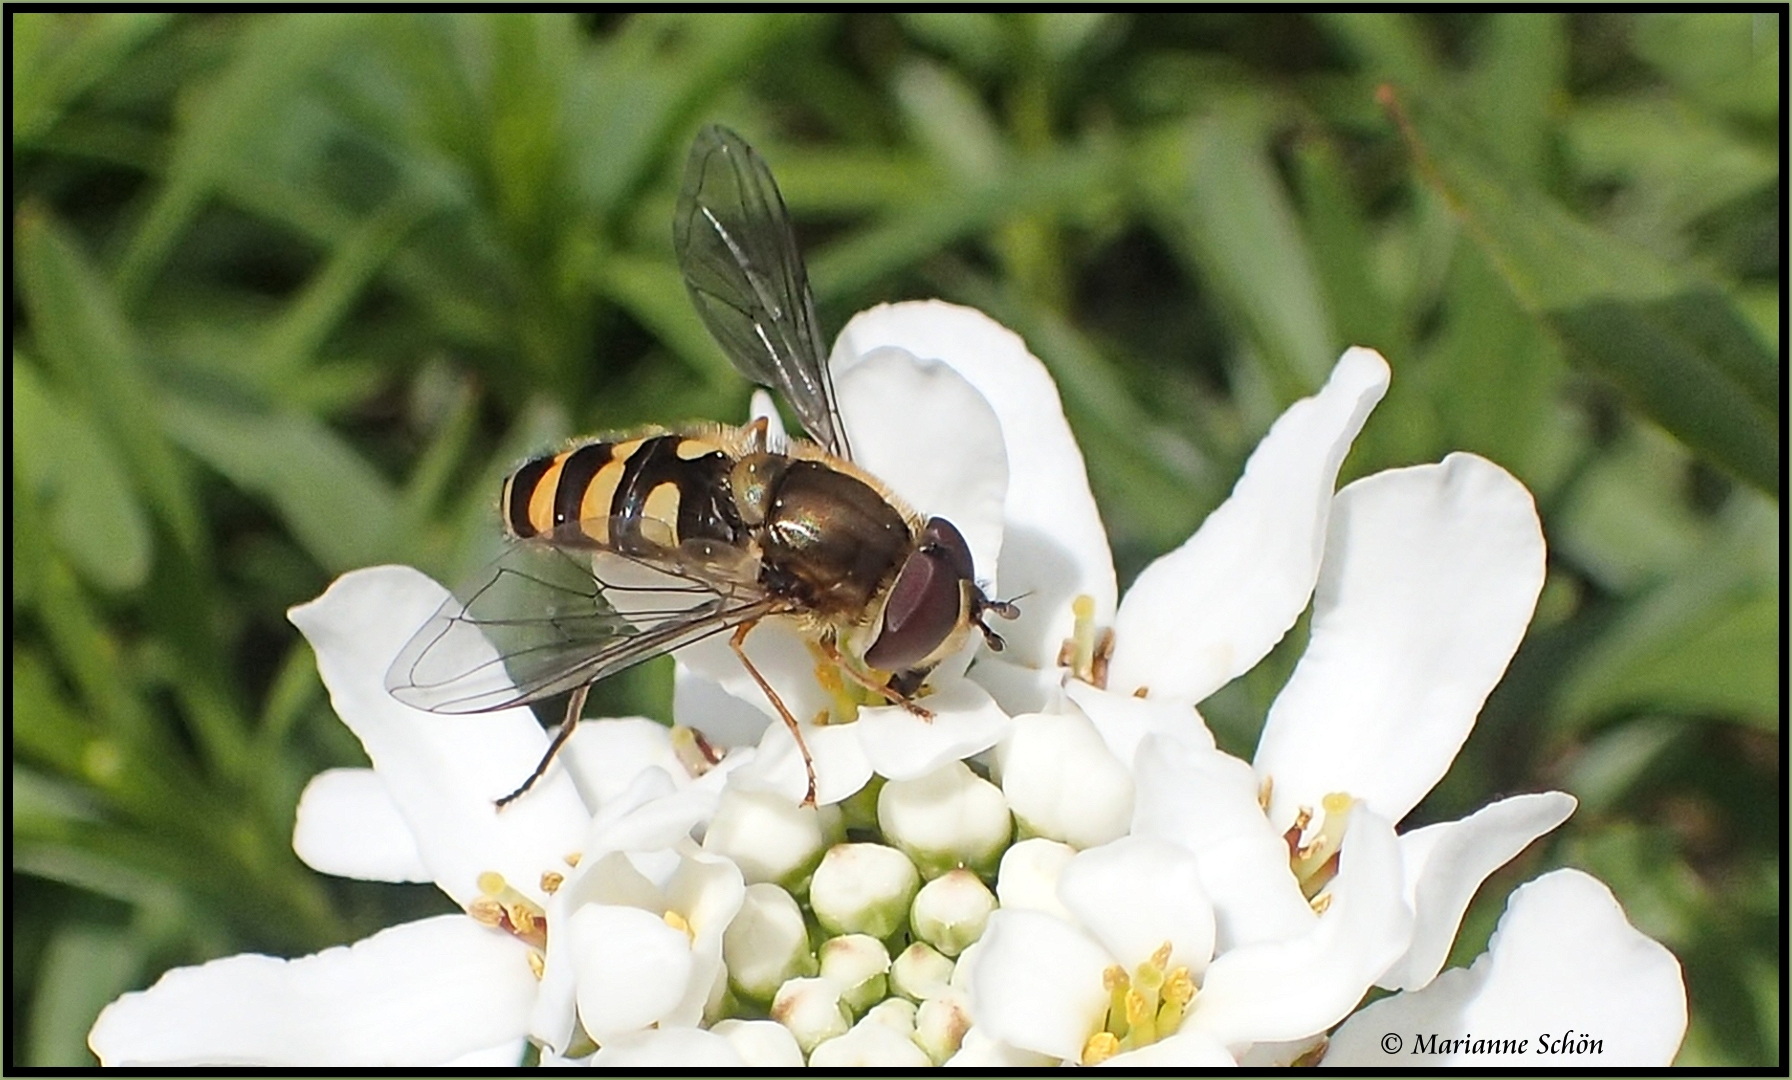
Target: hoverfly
(626, 547)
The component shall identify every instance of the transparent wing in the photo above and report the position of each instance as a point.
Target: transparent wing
(746, 277)
(549, 617)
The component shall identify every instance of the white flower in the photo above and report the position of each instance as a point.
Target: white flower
(1566, 981)
(433, 991)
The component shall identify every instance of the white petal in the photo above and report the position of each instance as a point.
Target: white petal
(1062, 782)
(1124, 720)
(1136, 894)
(1458, 857)
(841, 767)
(1037, 983)
(707, 892)
(505, 1055)
(633, 969)
(1054, 547)
(723, 718)
(902, 746)
(1212, 608)
(414, 994)
(782, 656)
(762, 1044)
(668, 1048)
(606, 756)
(1206, 801)
(1185, 1050)
(919, 427)
(1564, 962)
(1430, 577)
(982, 1051)
(348, 826)
(442, 771)
(1278, 991)
(1016, 687)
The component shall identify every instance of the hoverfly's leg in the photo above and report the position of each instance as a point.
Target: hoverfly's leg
(735, 643)
(574, 706)
(888, 693)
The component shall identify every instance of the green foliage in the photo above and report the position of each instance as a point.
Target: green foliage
(291, 292)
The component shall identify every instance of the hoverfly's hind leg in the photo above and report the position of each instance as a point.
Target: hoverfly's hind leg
(574, 706)
(900, 690)
(736, 643)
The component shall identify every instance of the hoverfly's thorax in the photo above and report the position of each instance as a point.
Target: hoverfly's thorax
(753, 482)
(653, 492)
(834, 535)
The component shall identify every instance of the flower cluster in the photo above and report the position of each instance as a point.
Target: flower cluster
(1059, 866)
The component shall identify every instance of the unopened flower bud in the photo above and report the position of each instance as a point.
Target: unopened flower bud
(863, 889)
(766, 943)
(920, 972)
(1028, 878)
(871, 1044)
(941, 1023)
(898, 1013)
(950, 911)
(811, 1008)
(1062, 781)
(769, 837)
(859, 963)
(949, 818)
(761, 1044)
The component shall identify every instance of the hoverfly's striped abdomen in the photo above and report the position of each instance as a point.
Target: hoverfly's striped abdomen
(652, 492)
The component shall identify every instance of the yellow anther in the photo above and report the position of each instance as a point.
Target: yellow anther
(1179, 987)
(1264, 791)
(1141, 1019)
(572, 859)
(486, 912)
(537, 964)
(523, 918)
(1114, 978)
(1160, 957)
(1320, 903)
(680, 923)
(1101, 1046)
(551, 880)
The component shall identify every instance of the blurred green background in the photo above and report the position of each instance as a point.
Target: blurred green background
(290, 293)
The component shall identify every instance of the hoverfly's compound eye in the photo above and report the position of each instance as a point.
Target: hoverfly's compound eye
(943, 537)
(924, 609)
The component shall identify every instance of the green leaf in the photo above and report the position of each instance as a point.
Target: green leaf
(83, 967)
(1675, 345)
(337, 506)
(89, 503)
(226, 118)
(57, 57)
(1237, 226)
(77, 327)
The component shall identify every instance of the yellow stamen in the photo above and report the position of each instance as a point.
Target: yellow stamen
(486, 912)
(679, 923)
(551, 880)
(1320, 903)
(1264, 791)
(1141, 1019)
(518, 914)
(1101, 1046)
(571, 860)
(537, 964)
(693, 751)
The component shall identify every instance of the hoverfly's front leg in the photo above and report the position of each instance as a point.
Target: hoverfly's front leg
(883, 690)
(736, 643)
(574, 706)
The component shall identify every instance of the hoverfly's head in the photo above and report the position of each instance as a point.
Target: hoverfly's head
(934, 599)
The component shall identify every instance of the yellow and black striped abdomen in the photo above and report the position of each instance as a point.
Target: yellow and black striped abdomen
(652, 491)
